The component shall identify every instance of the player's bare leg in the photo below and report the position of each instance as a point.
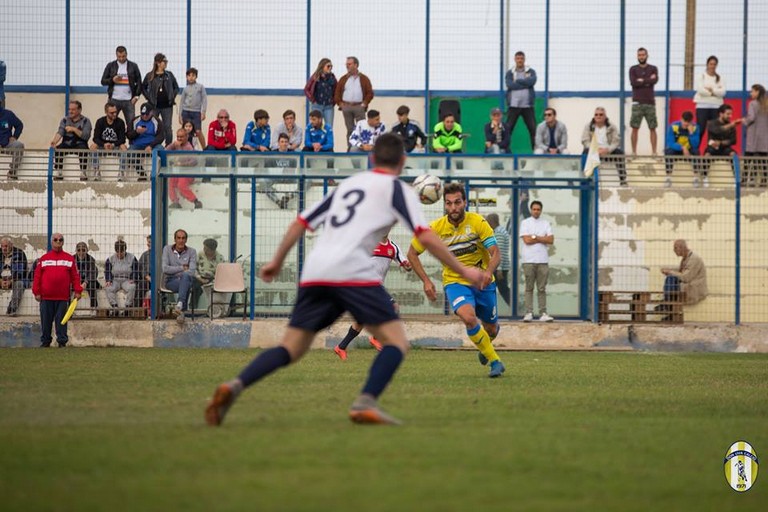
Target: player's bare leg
(365, 408)
(294, 345)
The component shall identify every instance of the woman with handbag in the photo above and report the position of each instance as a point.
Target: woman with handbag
(320, 89)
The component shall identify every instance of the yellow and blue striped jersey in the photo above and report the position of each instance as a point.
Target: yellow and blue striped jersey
(469, 242)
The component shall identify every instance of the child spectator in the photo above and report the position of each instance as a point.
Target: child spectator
(194, 102)
(258, 135)
(181, 184)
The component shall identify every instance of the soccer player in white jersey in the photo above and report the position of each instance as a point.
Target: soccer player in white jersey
(383, 255)
(338, 277)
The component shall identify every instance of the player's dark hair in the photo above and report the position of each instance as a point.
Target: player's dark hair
(372, 113)
(388, 150)
(454, 187)
(724, 108)
(447, 115)
(534, 203)
(687, 116)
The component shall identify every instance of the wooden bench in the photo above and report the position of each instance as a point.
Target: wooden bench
(630, 307)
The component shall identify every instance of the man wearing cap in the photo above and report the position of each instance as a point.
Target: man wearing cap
(207, 261)
(497, 134)
(145, 132)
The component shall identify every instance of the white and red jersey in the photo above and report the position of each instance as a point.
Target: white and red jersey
(355, 217)
(384, 254)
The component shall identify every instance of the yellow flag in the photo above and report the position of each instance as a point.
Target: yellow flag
(593, 157)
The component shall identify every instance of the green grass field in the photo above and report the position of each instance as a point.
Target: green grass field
(123, 430)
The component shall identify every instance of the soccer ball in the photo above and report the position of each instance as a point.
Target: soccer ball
(429, 188)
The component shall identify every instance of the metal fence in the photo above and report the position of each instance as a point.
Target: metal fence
(609, 237)
(428, 48)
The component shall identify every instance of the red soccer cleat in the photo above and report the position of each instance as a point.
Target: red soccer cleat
(375, 343)
(340, 352)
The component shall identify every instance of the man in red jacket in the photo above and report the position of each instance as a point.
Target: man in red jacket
(222, 133)
(55, 272)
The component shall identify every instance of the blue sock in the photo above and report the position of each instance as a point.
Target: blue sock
(383, 368)
(264, 364)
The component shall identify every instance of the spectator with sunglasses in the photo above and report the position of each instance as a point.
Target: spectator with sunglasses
(89, 273)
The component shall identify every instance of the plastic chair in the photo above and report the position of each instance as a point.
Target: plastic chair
(228, 279)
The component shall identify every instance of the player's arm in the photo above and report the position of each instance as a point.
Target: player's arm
(494, 262)
(295, 231)
(429, 286)
(431, 242)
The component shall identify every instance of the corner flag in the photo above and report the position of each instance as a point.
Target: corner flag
(593, 157)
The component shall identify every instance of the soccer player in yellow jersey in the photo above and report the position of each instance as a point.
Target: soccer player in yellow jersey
(470, 238)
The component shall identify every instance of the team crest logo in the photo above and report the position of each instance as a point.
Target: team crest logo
(741, 466)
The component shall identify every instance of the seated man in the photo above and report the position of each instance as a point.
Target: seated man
(318, 137)
(108, 134)
(551, 135)
(279, 162)
(10, 131)
(145, 133)
(121, 273)
(690, 278)
(682, 139)
(13, 269)
(608, 141)
(289, 127)
(258, 135)
(721, 134)
(73, 133)
(206, 268)
(222, 133)
(497, 134)
(179, 265)
(448, 137)
(411, 133)
(89, 273)
(366, 132)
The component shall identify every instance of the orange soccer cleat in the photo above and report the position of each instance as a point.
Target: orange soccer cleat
(340, 352)
(375, 343)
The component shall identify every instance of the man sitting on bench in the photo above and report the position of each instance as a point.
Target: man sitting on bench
(690, 279)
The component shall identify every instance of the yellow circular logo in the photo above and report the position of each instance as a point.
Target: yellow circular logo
(740, 466)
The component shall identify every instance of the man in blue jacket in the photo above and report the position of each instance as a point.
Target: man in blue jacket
(521, 97)
(10, 131)
(683, 139)
(145, 132)
(318, 137)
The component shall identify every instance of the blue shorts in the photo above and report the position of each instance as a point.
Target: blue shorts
(195, 117)
(317, 307)
(484, 301)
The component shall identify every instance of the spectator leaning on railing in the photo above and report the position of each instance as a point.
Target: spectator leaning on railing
(10, 131)
(13, 269)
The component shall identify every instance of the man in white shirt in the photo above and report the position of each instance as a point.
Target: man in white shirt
(536, 234)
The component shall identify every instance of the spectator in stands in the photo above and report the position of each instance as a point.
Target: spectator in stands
(207, 261)
(108, 135)
(682, 139)
(551, 135)
(73, 133)
(608, 141)
(353, 95)
(180, 184)
(757, 135)
(54, 273)
(258, 134)
(690, 278)
(144, 284)
(502, 241)
(3, 70)
(321, 90)
(13, 269)
(411, 133)
(521, 97)
(318, 136)
(179, 266)
(123, 80)
(145, 133)
(722, 138)
(366, 132)
(294, 132)
(160, 88)
(497, 134)
(189, 127)
(222, 133)
(710, 91)
(10, 131)
(279, 162)
(643, 77)
(121, 272)
(448, 138)
(536, 234)
(89, 273)
(193, 104)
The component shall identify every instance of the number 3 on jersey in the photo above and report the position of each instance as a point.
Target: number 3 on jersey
(351, 204)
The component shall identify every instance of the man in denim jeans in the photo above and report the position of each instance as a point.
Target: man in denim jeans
(179, 265)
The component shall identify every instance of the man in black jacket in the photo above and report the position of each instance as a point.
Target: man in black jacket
(123, 80)
(13, 266)
(108, 134)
